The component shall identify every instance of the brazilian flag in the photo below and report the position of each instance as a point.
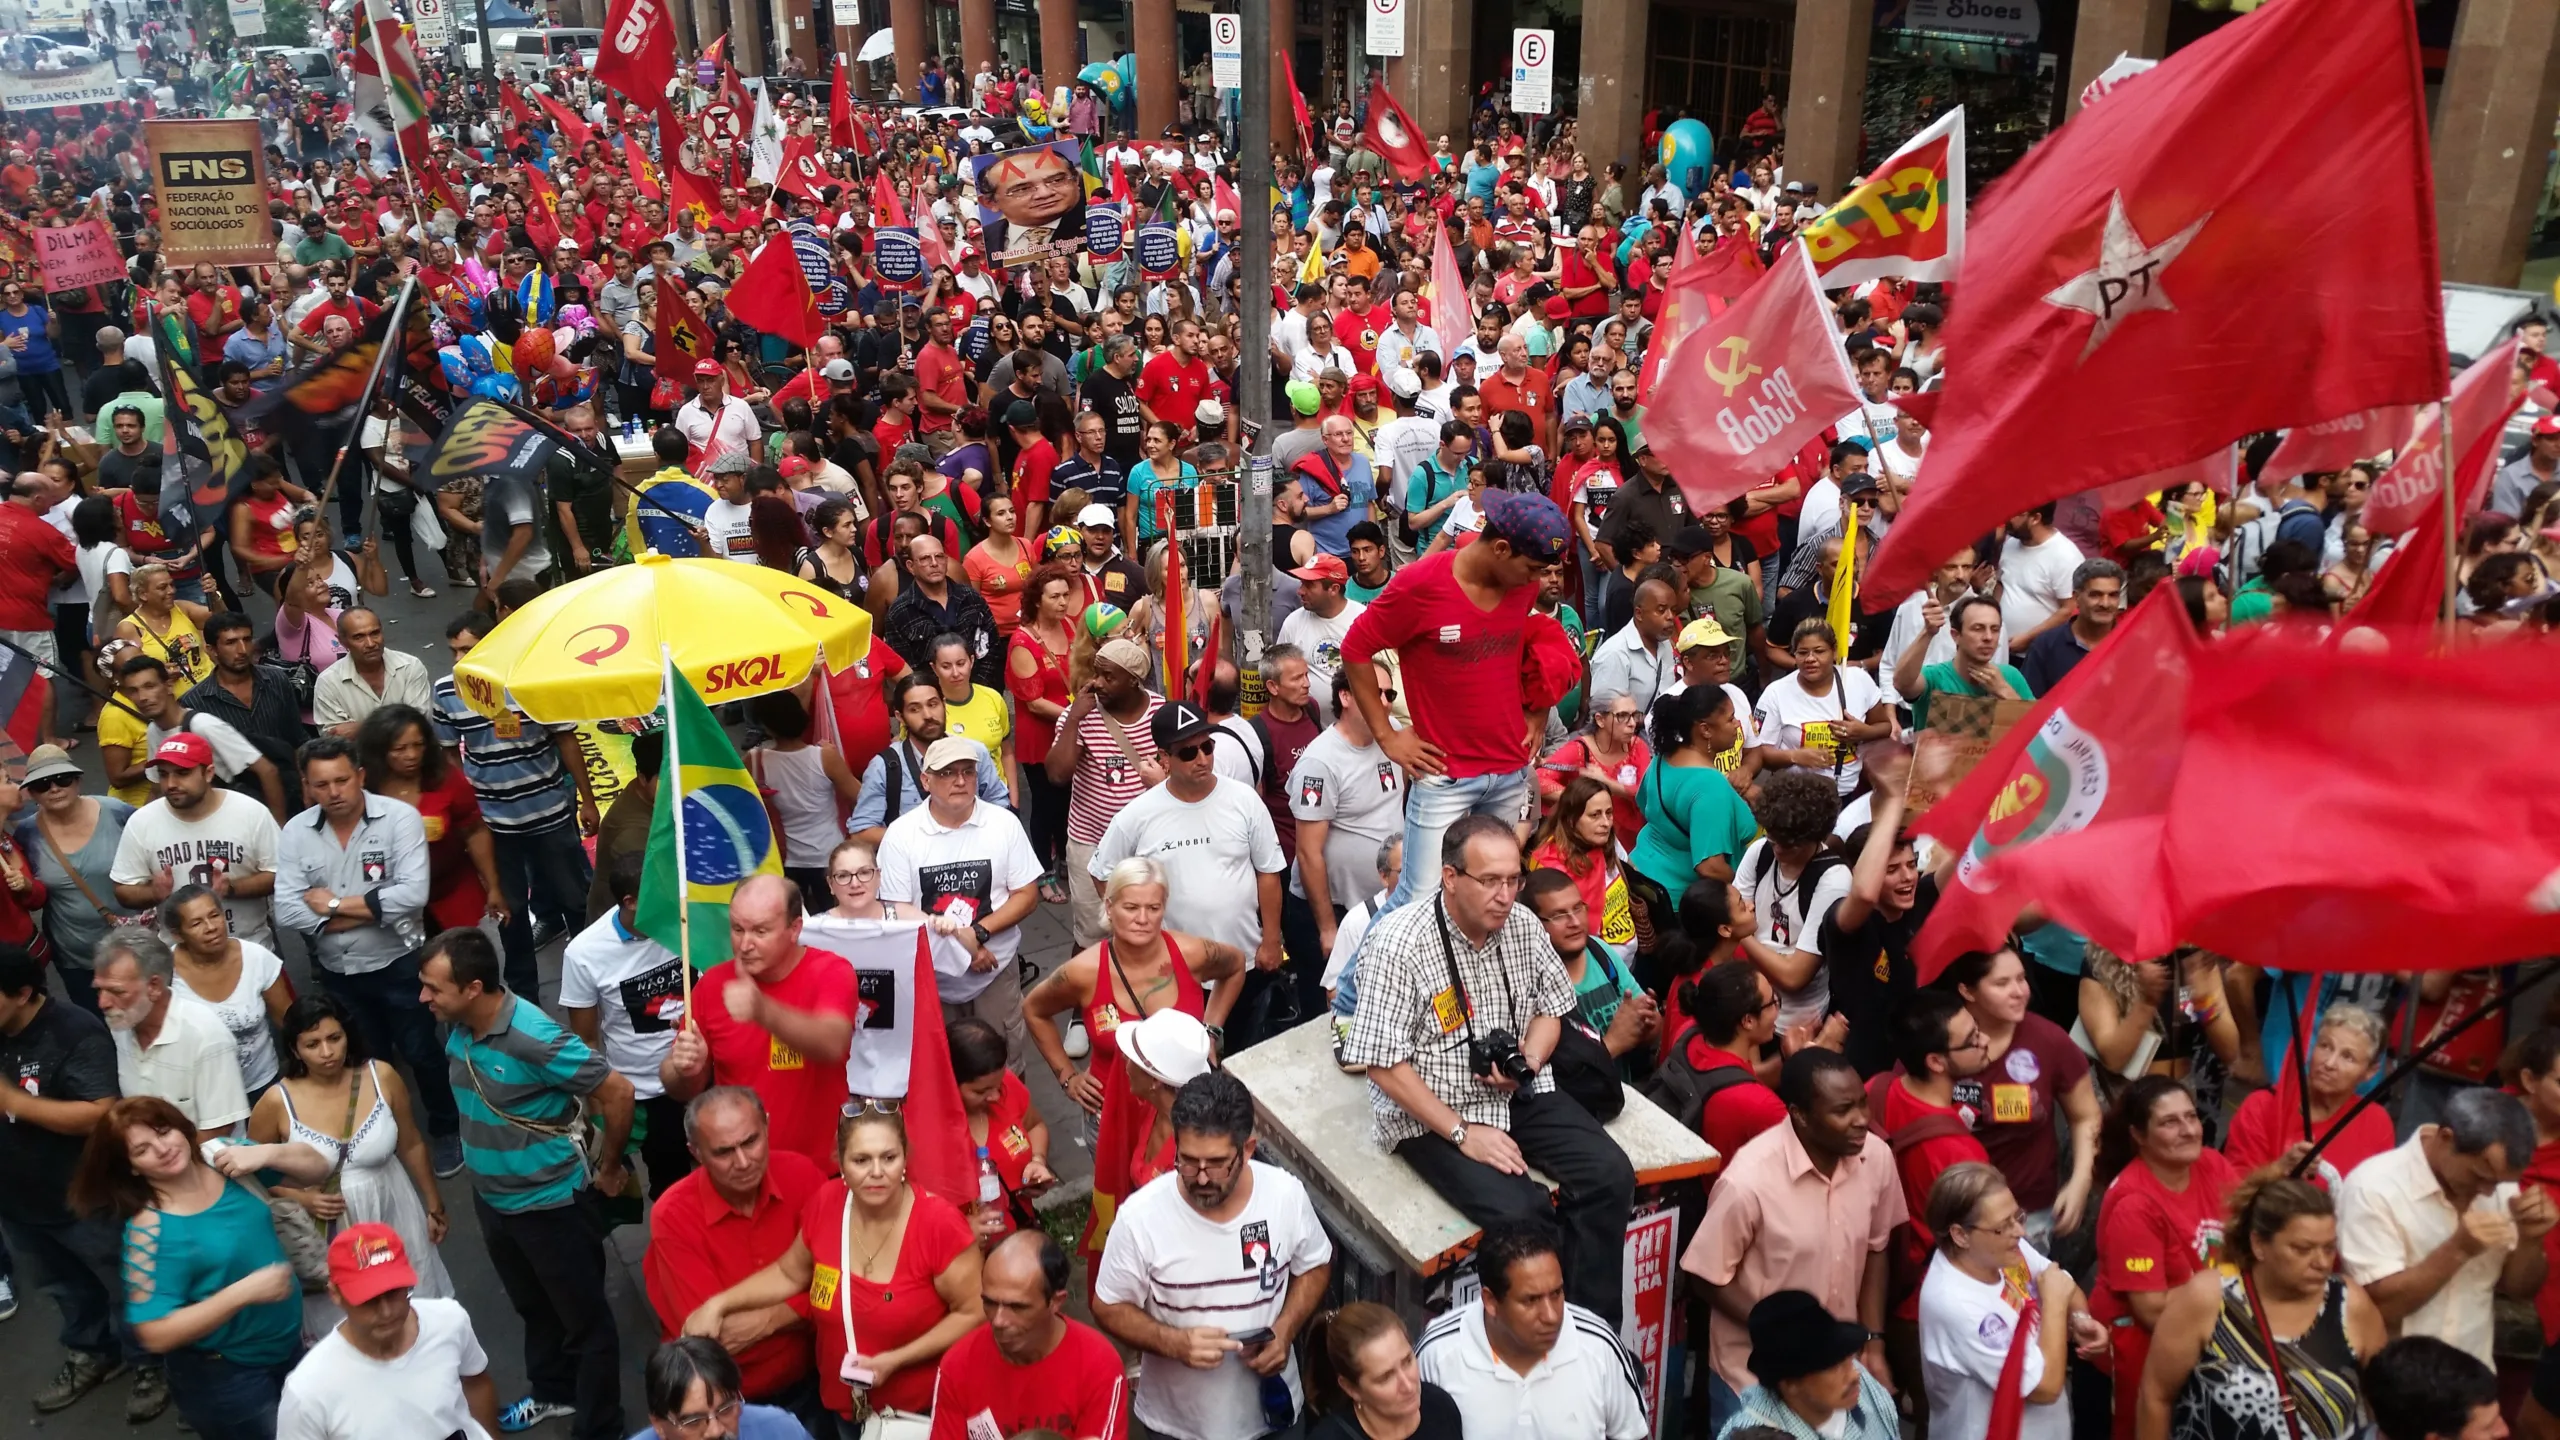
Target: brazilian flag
(710, 833)
(1094, 180)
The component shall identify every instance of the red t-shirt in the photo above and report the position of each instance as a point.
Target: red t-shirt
(803, 1097)
(1359, 331)
(450, 812)
(1528, 395)
(1920, 1166)
(2544, 1170)
(1461, 663)
(940, 372)
(884, 1316)
(2012, 1103)
(32, 552)
(2266, 1125)
(699, 1247)
(1737, 1112)
(891, 432)
(2473, 1054)
(2152, 1238)
(1032, 735)
(1173, 388)
(356, 308)
(860, 696)
(1031, 474)
(1008, 1144)
(1078, 1388)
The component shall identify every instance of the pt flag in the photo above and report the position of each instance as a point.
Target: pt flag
(709, 833)
(638, 54)
(2413, 486)
(683, 340)
(1738, 396)
(900, 1048)
(1390, 133)
(1905, 220)
(2175, 269)
(2067, 809)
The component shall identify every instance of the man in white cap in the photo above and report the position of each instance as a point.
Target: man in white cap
(969, 866)
(1109, 577)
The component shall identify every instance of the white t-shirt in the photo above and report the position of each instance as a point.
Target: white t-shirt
(1347, 935)
(1786, 712)
(1360, 793)
(726, 524)
(2035, 580)
(244, 1012)
(1179, 1267)
(97, 562)
(230, 834)
(1821, 512)
(232, 752)
(340, 1393)
(1965, 1332)
(1792, 920)
(636, 987)
(731, 430)
(1321, 639)
(968, 870)
(1211, 852)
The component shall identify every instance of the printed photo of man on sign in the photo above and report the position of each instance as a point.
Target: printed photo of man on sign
(1030, 202)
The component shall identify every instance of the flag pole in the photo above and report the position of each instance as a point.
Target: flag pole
(671, 785)
(372, 381)
(2452, 543)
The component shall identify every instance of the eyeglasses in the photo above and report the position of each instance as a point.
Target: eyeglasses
(853, 877)
(1622, 715)
(51, 782)
(1204, 1169)
(1977, 1041)
(695, 1424)
(1512, 881)
(2016, 1224)
(1189, 752)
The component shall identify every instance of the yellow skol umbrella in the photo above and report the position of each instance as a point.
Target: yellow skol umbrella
(591, 650)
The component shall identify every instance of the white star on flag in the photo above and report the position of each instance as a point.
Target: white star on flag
(2127, 278)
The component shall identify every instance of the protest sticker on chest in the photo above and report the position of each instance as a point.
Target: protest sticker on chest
(1449, 1010)
(822, 1287)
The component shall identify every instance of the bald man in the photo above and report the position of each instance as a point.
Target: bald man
(1030, 1367)
(777, 1018)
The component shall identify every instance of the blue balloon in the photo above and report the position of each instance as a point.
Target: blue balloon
(1687, 147)
(494, 386)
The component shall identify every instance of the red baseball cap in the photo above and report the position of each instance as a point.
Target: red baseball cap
(367, 1261)
(1324, 567)
(704, 369)
(185, 751)
(2547, 425)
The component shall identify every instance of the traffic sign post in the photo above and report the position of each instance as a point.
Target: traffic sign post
(1386, 28)
(1533, 72)
(1226, 52)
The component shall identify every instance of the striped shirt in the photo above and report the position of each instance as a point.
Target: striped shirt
(530, 1068)
(518, 777)
(1106, 779)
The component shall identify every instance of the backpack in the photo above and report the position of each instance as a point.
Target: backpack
(1823, 862)
(1681, 1090)
(1903, 1276)
(1268, 784)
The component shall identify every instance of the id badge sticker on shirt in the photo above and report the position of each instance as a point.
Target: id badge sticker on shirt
(435, 828)
(2012, 1104)
(1106, 1018)
(779, 1056)
(1013, 1141)
(983, 1426)
(507, 726)
(822, 1287)
(377, 865)
(1447, 1009)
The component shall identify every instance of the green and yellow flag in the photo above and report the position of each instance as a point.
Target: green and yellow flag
(709, 834)
(1844, 586)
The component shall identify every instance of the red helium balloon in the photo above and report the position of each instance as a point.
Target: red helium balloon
(534, 351)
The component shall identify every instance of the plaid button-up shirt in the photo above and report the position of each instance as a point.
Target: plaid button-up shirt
(1410, 1012)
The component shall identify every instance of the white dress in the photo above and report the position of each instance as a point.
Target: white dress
(374, 1185)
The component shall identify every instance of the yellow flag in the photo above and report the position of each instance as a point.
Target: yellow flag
(1844, 581)
(1312, 272)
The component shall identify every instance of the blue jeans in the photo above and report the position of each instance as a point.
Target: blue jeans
(1435, 803)
(395, 1022)
(1722, 1403)
(224, 1399)
(548, 867)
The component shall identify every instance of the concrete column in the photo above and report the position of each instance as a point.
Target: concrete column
(2108, 28)
(1431, 77)
(907, 19)
(977, 38)
(1827, 90)
(709, 24)
(1058, 31)
(1152, 39)
(1614, 65)
(2492, 130)
(1284, 43)
(687, 42)
(746, 44)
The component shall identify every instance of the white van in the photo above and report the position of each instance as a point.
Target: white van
(534, 53)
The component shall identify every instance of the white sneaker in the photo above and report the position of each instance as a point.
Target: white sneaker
(1077, 1043)
(8, 1298)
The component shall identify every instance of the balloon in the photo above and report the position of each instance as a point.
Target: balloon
(1104, 78)
(575, 320)
(457, 370)
(535, 351)
(1687, 146)
(495, 387)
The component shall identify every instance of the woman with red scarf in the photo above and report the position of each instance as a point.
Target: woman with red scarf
(1140, 969)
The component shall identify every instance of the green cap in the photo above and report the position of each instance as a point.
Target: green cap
(1303, 397)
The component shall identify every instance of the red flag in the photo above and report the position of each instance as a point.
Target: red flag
(2009, 1397)
(2298, 773)
(683, 340)
(542, 213)
(940, 1159)
(1450, 304)
(1743, 391)
(2135, 292)
(688, 187)
(638, 55)
(1298, 107)
(2481, 403)
(1905, 219)
(886, 209)
(2337, 444)
(572, 129)
(937, 250)
(801, 174)
(513, 100)
(2067, 809)
(1206, 673)
(1223, 197)
(644, 176)
(2410, 590)
(772, 293)
(1702, 287)
(1390, 133)
(840, 127)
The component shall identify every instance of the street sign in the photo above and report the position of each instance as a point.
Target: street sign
(1386, 28)
(434, 19)
(1533, 72)
(722, 126)
(1226, 52)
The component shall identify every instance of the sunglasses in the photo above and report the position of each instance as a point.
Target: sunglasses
(51, 782)
(1191, 751)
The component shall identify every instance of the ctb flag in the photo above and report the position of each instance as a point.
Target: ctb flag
(1905, 219)
(2067, 809)
(1742, 393)
(709, 833)
(2202, 256)
(1390, 133)
(2337, 444)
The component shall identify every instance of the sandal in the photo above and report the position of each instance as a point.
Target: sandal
(1053, 892)
(422, 592)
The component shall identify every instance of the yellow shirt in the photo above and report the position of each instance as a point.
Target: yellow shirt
(180, 647)
(983, 717)
(121, 729)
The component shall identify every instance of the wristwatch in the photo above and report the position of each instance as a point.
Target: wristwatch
(984, 938)
(1458, 1134)
(334, 902)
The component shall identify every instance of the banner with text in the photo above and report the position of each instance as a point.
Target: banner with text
(22, 89)
(212, 179)
(248, 18)
(75, 256)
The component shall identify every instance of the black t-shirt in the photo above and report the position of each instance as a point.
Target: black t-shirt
(116, 469)
(1867, 633)
(1871, 971)
(105, 385)
(1440, 1420)
(64, 1053)
(1117, 402)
